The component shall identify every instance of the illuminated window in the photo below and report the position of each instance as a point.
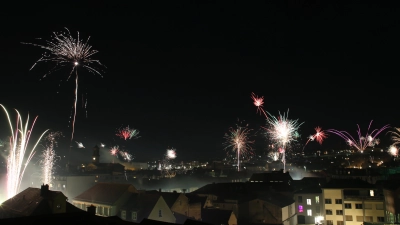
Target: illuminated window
(123, 214)
(134, 216)
(317, 199)
(371, 193)
(308, 201)
(300, 208)
(309, 212)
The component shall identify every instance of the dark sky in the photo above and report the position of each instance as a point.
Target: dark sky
(182, 73)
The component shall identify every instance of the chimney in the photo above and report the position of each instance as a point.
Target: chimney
(44, 190)
(91, 210)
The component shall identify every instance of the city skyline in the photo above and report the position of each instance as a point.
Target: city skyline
(184, 77)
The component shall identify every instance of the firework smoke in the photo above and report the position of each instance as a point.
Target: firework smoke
(16, 161)
(48, 157)
(238, 139)
(362, 142)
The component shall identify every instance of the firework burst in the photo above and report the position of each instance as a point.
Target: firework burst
(259, 103)
(319, 136)
(16, 160)
(238, 139)
(395, 135)
(361, 142)
(127, 133)
(66, 51)
(393, 150)
(282, 131)
(114, 150)
(171, 153)
(48, 157)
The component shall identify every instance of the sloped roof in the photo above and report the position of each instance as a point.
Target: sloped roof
(215, 216)
(310, 190)
(169, 197)
(66, 219)
(347, 183)
(193, 198)
(104, 193)
(271, 176)
(29, 202)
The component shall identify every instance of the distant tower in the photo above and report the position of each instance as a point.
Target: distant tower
(96, 154)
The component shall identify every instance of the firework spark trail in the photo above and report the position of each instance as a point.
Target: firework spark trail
(238, 139)
(363, 142)
(80, 145)
(259, 103)
(66, 51)
(19, 140)
(282, 131)
(127, 133)
(319, 136)
(48, 158)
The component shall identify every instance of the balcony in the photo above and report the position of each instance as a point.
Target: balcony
(358, 197)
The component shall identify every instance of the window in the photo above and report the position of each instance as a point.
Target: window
(308, 201)
(328, 201)
(329, 222)
(367, 206)
(300, 208)
(317, 209)
(339, 212)
(381, 219)
(379, 206)
(359, 206)
(349, 218)
(300, 199)
(159, 213)
(328, 212)
(368, 219)
(371, 193)
(360, 218)
(134, 216)
(340, 222)
(309, 212)
(123, 214)
(106, 211)
(347, 205)
(338, 201)
(317, 199)
(100, 210)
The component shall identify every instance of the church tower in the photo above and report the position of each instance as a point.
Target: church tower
(96, 154)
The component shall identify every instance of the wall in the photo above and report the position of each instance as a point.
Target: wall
(167, 215)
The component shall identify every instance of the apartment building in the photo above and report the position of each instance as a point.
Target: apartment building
(351, 202)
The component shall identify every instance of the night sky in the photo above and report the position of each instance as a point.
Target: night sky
(182, 73)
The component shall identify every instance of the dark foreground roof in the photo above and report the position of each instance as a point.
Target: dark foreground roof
(79, 218)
